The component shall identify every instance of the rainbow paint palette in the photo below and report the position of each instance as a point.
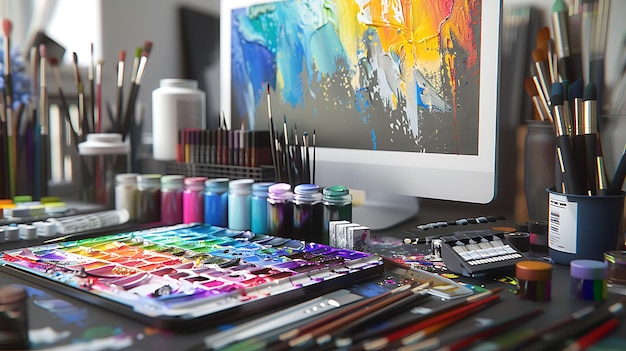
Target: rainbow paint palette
(190, 275)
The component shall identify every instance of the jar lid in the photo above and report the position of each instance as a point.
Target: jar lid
(240, 184)
(533, 270)
(154, 179)
(336, 190)
(103, 144)
(12, 293)
(261, 187)
(172, 180)
(306, 189)
(195, 180)
(126, 178)
(589, 269)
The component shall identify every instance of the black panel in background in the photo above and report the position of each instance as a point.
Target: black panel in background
(200, 43)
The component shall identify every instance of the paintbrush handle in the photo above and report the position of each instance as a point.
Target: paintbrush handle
(130, 111)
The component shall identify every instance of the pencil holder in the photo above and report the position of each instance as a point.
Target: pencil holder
(584, 227)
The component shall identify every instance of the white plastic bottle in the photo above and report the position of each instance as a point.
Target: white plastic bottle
(177, 104)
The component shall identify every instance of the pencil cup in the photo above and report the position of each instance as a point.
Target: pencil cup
(103, 157)
(584, 227)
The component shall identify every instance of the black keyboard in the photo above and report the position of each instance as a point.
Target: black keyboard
(472, 253)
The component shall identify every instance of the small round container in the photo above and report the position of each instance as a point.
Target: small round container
(616, 261)
(172, 187)
(258, 208)
(13, 318)
(588, 279)
(193, 200)
(239, 192)
(533, 280)
(126, 193)
(216, 202)
(148, 205)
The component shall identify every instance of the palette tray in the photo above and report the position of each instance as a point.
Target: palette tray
(190, 275)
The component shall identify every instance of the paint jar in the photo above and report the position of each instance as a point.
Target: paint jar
(588, 279)
(308, 213)
(148, 198)
(239, 204)
(177, 104)
(13, 318)
(172, 199)
(337, 202)
(216, 202)
(533, 280)
(259, 222)
(103, 157)
(126, 193)
(280, 209)
(193, 200)
(617, 268)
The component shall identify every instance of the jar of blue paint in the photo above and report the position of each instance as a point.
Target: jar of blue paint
(588, 279)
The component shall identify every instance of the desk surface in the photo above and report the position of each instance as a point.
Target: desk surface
(63, 322)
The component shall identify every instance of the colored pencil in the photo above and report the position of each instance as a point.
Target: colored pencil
(593, 336)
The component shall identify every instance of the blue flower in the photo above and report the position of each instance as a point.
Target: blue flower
(19, 77)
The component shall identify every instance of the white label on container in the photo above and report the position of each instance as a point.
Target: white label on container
(563, 228)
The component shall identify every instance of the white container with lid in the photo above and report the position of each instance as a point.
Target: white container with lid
(177, 104)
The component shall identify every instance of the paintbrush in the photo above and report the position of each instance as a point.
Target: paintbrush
(462, 338)
(130, 106)
(136, 59)
(322, 330)
(560, 13)
(287, 156)
(540, 112)
(405, 320)
(92, 96)
(82, 121)
(98, 113)
(406, 335)
(307, 158)
(593, 336)
(120, 85)
(578, 140)
(540, 60)
(314, 141)
(11, 129)
(545, 42)
(44, 121)
(54, 62)
(272, 137)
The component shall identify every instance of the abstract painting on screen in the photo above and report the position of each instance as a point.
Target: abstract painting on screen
(398, 75)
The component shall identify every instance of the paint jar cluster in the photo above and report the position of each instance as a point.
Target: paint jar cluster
(302, 212)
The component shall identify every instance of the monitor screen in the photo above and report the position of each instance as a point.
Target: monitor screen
(402, 95)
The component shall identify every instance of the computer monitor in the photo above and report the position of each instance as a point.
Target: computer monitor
(402, 96)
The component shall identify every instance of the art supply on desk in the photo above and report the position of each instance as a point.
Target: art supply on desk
(177, 104)
(584, 227)
(534, 280)
(84, 222)
(588, 279)
(109, 154)
(148, 208)
(189, 276)
(280, 209)
(193, 200)
(216, 202)
(337, 202)
(616, 261)
(259, 223)
(308, 213)
(172, 205)
(14, 318)
(239, 191)
(126, 193)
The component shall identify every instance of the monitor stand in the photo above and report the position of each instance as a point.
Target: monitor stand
(381, 211)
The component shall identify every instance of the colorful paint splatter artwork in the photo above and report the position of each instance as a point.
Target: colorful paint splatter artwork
(184, 275)
(399, 75)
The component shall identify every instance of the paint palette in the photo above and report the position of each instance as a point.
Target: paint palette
(188, 275)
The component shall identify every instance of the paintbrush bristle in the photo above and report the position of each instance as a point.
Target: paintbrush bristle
(147, 47)
(122, 55)
(7, 27)
(530, 87)
(542, 35)
(539, 55)
(75, 56)
(43, 51)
